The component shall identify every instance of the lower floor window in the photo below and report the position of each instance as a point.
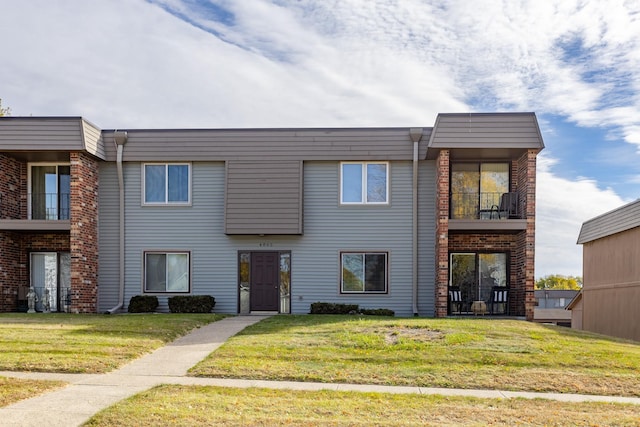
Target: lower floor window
(363, 272)
(166, 272)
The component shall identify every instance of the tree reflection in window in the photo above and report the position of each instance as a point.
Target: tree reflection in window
(477, 187)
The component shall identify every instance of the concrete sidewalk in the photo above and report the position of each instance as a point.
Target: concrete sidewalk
(87, 394)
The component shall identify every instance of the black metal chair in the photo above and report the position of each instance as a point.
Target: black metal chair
(455, 298)
(508, 207)
(499, 295)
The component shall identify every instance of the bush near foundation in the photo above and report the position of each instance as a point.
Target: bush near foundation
(192, 304)
(377, 312)
(331, 308)
(143, 304)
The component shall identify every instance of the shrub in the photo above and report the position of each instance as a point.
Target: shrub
(377, 312)
(143, 304)
(192, 304)
(331, 308)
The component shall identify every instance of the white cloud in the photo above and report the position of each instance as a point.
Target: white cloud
(562, 207)
(128, 63)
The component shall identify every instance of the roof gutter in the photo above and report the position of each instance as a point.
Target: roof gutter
(120, 138)
(416, 136)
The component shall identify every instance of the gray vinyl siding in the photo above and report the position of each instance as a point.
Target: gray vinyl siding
(108, 242)
(495, 130)
(197, 229)
(267, 144)
(331, 228)
(618, 220)
(426, 238)
(41, 134)
(263, 197)
(315, 257)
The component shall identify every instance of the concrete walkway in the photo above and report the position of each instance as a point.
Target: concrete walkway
(87, 394)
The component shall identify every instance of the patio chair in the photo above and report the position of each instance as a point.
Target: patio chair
(508, 207)
(499, 295)
(455, 298)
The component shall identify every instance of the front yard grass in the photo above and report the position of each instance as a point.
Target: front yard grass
(207, 406)
(452, 353)
(76, 343)
(13, 390)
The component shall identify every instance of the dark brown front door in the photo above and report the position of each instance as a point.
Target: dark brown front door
(264, 281)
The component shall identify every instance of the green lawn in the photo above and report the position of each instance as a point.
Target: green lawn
(75, 343)
(208, 406)
(13, 390)
(454, 353)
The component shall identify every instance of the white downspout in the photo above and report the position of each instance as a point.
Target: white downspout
(416, 136)
(120, 138)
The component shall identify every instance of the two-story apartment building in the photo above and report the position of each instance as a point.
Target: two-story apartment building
(271, 219)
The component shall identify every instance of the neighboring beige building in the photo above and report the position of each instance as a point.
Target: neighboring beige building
(610, 301)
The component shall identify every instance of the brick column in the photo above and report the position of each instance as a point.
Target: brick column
(11, 201)
(84, 233)
(442, 234)
(526, 239)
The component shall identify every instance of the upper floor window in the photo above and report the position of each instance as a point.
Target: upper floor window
(49, 191)
(167, 183)
(476, 188)
(364, 183)
(363, 272)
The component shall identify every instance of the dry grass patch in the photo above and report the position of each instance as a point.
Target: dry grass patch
(13, 389)
(205, 406)
(76, 343)
(453, 353)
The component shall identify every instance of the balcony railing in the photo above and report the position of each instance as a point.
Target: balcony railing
(49, 206)
(59, 299)
(488, 205)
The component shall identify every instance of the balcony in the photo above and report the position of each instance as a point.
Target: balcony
(49, 206)
(486, 211)
(48, 212)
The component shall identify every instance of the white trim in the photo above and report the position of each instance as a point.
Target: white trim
(143, 179)
(165, 252)
(363, 195)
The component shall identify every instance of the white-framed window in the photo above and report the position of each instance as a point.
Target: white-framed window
(364, 183)
(166, 272)
(364, 272)
(166, 183)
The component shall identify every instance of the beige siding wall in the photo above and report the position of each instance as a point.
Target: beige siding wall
(267, 144)
(41, 134)
(517, 130)
(93, 139)
(576, 316)
(611, 293)
(263, 197)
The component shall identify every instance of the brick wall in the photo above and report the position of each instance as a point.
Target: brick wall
(520, 246)
(9, 270)
(508, 243)
(442, 233)
(12, 189)
(526, 240)
(15, 262)
(84, 233)
(11, 199)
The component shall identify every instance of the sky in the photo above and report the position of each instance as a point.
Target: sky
(350, 63)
